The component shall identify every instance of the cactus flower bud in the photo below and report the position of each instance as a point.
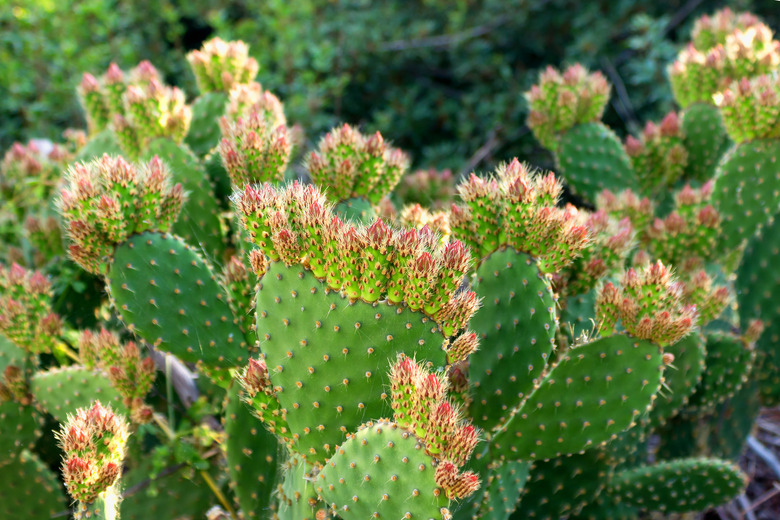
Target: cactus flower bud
(94, 443)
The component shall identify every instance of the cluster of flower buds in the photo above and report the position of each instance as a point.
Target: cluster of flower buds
(709, 31)
(352, 165)
(259, 394)
(518, 208)
(255, 378)
(137, 106)
(417, 217)
(688, 234)
(94, 442)
(648, 304)
(610, 242)
(45, 236)
(108, 199)
(431, 187)
(14, 387)
(26, 317)
(561, 100)
(420, 406)
(253, 150)
(131, 375)
(369, 262)
(708, 298)
(754, 330)
(219, 65)
(32, 164)
(751, 108)
(725, 48)
(659, 156)
(626, 204)
(241, 285)
(246, 99)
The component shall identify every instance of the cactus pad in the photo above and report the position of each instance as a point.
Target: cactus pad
(679, 486)
(99, 144)
(394, 476)
(517, 324)
(594, 392)
(355, 209)
(591, 158)
(705, 140)
(199, 218)
(10, 354)
(729, 362)
(29, 489)
(251, 457)
(733, 421)
(501, 492)
(61, 391)
(747, 190)
(322, 348)
(579, 315)
(681, 378)
(563, 486)
(19, 429)
(298, 499)
(204, 133)
(758, 294)
(195, 323)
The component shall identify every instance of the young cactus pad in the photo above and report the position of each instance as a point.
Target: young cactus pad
(336, 301)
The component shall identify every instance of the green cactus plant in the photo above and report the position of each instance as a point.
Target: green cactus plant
(510, 357)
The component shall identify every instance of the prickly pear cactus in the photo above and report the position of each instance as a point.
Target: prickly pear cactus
(566, 109)
(308, 351)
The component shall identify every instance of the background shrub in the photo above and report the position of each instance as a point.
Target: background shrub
(442, 79)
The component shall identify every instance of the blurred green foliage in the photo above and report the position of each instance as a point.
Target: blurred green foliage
(443, 79)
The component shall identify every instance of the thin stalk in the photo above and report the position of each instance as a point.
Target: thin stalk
(218, 493)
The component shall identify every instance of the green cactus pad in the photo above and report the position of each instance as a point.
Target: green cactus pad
(170, 495)
(758, 294)
(681, 378)
(500, 493)
(382, 471)
(705, 140)
(328, 358)
(733, 421)
(679, 486)
(563, 486)
(517, 324)
(607, 507)
(168, 295)
(204, 133)
(29, 489)
(10, 354)
(219, 178)
(594, 392)
(198, 221)
(61, 391)
(579, 315)
(101, 143)
(679, 438)
(356, 210)
(747, 190)
(630, 446)
(251, 457)
(19, 429)
(591, 158)
(298, 499)
(729, 363)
